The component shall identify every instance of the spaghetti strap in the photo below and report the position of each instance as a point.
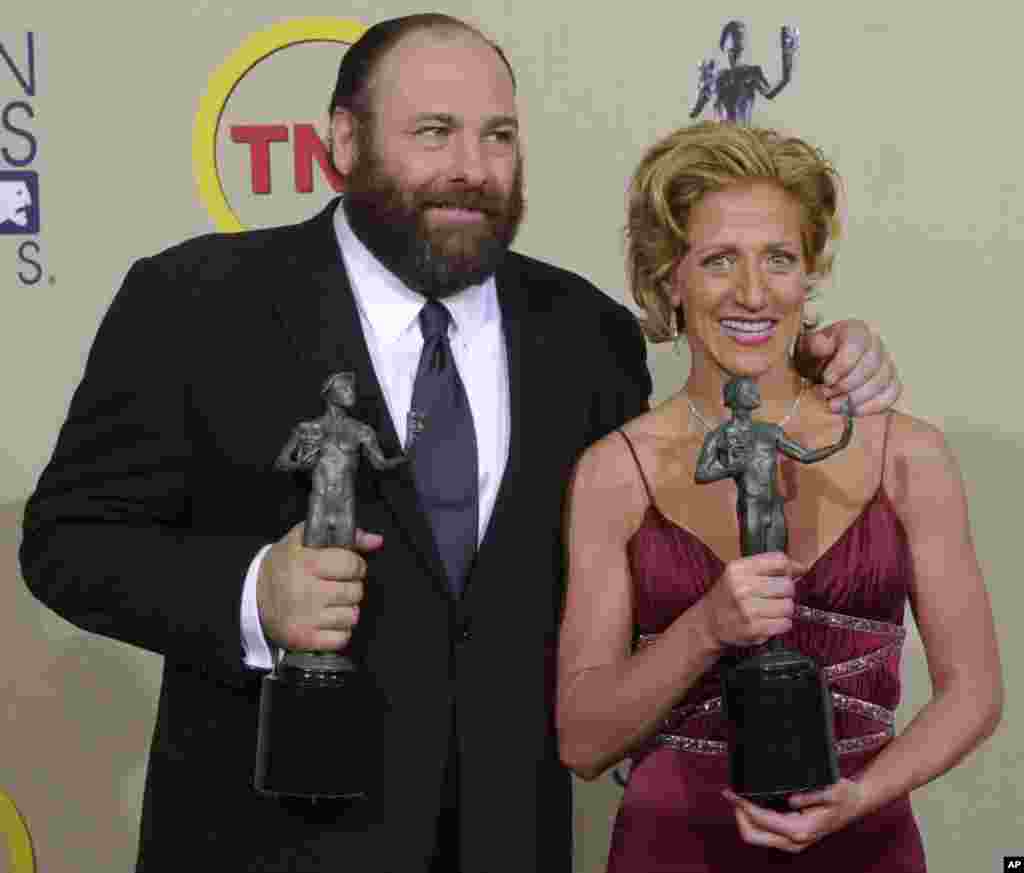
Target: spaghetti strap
(639, 466)
(885, 447)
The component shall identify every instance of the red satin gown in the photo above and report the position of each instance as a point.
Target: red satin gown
(673, 818)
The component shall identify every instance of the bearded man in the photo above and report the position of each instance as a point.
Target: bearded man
(161, 522)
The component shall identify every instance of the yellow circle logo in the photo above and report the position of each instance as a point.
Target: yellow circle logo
(14, 830)
(223, 82)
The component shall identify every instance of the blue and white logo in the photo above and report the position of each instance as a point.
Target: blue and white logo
(19, 146)
(19, 202)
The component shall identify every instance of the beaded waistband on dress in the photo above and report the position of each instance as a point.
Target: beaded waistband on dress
(671, 731)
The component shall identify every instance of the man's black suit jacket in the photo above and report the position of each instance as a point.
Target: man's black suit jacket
(161, 490)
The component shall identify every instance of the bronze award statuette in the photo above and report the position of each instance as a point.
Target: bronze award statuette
(777, 702)
(319, 710)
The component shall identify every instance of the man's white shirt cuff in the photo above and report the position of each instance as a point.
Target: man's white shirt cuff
(254, 645)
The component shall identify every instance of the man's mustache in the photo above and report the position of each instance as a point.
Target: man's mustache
(482, 201)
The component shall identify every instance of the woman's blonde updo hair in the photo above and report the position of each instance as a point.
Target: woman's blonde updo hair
(680, 169)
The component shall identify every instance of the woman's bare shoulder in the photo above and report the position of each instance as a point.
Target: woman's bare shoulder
(921, 464)
(620, 466)
(607, 496)
(915, 439)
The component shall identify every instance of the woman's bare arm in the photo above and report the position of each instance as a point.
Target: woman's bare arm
(953, 614)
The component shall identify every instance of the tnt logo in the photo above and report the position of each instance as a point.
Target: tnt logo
(307, 150)
(1013, 862)
(19, 202)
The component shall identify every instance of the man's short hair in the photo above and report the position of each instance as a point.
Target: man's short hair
(352, 90)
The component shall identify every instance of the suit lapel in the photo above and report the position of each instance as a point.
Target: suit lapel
(323, 322)
(528, 362)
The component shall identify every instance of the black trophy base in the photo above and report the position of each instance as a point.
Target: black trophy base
(780, 713)
(316, 729)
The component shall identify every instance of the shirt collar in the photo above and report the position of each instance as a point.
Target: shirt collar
(392, 308)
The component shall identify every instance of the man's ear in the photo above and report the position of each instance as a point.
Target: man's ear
(343, 140)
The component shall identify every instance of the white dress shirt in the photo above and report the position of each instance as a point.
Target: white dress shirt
(389, 314)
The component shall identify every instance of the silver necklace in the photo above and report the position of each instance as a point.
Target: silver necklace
(708, 428)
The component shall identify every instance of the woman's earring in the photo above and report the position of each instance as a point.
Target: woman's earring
(674, 330)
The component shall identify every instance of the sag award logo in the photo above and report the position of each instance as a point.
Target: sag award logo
(731, 88)
(19, 147)
(225, 206)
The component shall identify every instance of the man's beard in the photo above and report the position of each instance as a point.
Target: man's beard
(436, 261)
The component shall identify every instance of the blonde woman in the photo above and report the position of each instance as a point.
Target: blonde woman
(729, 228)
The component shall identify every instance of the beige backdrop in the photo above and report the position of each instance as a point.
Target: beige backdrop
(915, 104)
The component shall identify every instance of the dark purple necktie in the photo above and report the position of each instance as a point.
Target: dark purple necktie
(442, 448)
